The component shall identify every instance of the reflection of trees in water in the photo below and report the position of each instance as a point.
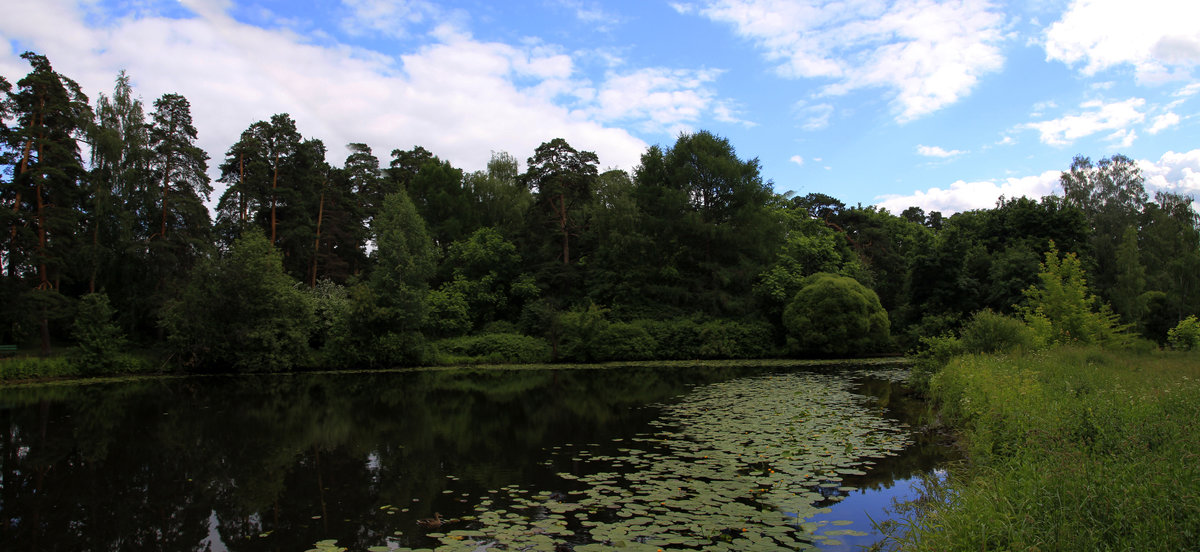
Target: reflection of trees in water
(930, 447)
(143, 465)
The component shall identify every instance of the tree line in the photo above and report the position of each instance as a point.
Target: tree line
(693, 255)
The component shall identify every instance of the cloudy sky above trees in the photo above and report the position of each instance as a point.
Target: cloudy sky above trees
(944, 105)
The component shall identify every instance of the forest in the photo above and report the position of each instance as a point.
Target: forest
(109, 248)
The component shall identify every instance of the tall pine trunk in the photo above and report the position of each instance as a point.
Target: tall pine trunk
(317, 242)
(166, 187)
(274, 184)
(562, 222)
(12, 237)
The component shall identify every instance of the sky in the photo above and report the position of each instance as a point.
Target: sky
(941, 105)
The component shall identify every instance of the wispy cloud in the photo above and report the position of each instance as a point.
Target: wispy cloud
(1189, 90)
(937, 151)
(590, 12)
(1163, 122)
(814, 117)
(1097, 117)
(390, 18)
(929, 54)
(797, 160)
(659, 99)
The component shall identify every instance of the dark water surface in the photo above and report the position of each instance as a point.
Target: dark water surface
(294, 462)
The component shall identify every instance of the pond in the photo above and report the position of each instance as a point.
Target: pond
(619, 458)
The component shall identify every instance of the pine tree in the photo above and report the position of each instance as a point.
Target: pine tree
(46, 190)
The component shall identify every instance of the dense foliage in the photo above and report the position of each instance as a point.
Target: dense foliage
(693, 255)
(836, 315)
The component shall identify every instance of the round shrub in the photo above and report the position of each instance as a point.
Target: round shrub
(991, 332)
(836, 315)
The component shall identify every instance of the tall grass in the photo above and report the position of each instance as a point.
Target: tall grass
(1069, 449)
(22, 368)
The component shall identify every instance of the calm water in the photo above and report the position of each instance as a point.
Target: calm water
(284, 462)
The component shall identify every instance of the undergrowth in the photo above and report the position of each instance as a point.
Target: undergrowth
(72, 364)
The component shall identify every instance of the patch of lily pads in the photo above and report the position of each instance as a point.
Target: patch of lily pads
(730, 466)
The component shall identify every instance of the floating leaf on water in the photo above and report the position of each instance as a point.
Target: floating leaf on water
(846, 533)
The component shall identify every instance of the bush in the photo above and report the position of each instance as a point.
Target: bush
(1061, 310)
(1185, 336)
(836, 315)
(730, 339)
(627, 341)
(991, 332)
(583, 331)
(932, 355)
(100, 341)
(678, 338)
(242, 312)
(496, 348)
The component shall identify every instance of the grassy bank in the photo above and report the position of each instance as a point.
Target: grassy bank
(1069, 449)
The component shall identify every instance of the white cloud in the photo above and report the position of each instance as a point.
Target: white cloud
(798, 160)
(1174, 172)
(1163, 122)
(937, 151)
(459, 97)
(965, 196)
(661, 99)
(1159, 38)
(929, 54)
(1121, 139)
(1098, 117)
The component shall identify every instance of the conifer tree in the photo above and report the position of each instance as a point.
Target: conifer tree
(46, 191)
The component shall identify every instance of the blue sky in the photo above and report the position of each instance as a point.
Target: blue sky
(944, 105)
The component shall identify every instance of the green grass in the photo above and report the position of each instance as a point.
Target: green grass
(1069, 449)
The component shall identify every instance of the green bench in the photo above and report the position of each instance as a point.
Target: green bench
(8, 349)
